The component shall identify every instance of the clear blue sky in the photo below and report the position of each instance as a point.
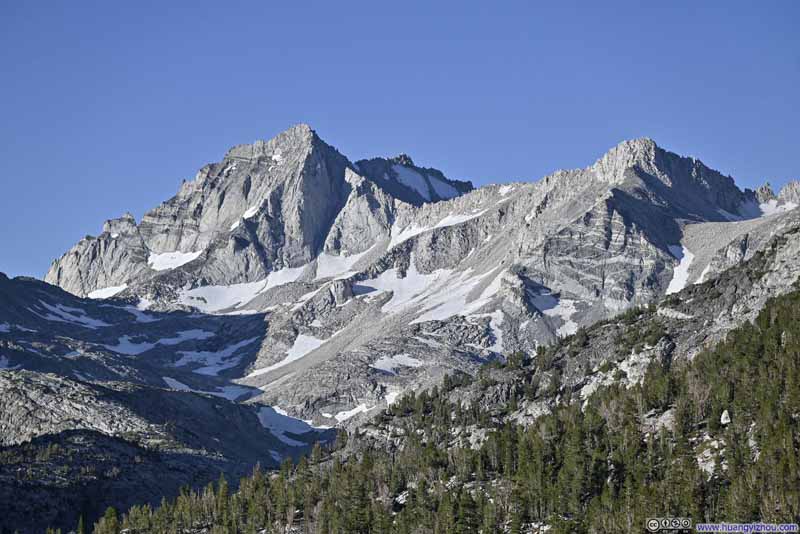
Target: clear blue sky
(106, 106)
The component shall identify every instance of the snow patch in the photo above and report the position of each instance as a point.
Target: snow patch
(6, 364)
(276, 421)
(214, 361)
(452, 220)
(564, 309)
(175, 384)
(250, 212)
(211, 299)
(505, 190)
(126, 346)
(405, 234)
(329, 265)
(496, 324)
(301, 346)
(703, 275)
(773, 207)
(347, 414)
(140, 316)
(284, 276)
(392, 397)
(227, 392)
(171, 260)
(443, 190)
(390, 363)
(680, 274)
(400, 236)
(413, 180)
(65, 314)
(449, 298)
(107, 292)
(672, 314)
(404, 289)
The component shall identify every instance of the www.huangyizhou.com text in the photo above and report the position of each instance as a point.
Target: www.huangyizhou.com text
(747, 527)
(684, 525)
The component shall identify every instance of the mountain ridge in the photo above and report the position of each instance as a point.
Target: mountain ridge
(365, 279)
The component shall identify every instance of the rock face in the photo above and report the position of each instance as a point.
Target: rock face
(265, 206)
(372, 277)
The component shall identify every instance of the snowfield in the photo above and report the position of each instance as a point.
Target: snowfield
(231, 393)
(347, 414)
(413, 180)
(213, 362)
(125, 345)
(302, 346)
(329, 266)
(107, 292)
(212, 299)
(171, 260)
(65, 314)
(390, 364)
(680, 275)
(276, 421)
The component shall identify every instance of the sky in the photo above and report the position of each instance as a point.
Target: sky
(106, 106)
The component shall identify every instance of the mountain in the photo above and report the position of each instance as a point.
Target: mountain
(368, 288)
(288, 290)
(265, 207)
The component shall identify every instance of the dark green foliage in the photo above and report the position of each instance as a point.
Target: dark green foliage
(597, 467)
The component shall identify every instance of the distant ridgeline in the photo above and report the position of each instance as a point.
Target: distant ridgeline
(715, 439)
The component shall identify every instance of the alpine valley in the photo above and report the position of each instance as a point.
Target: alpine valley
(431, 357)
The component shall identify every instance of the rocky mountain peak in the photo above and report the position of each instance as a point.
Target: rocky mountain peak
(403, 159)
(765, 193)
(405, 181)
(791, 192)
(681, 182)
(297, 138)
(122, 225)
(626, 155)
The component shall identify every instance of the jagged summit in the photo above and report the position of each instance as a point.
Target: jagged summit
(791, 192)
(765, 193)
(627, 153)
(294, 138)
(403, 159)
(415, 185)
